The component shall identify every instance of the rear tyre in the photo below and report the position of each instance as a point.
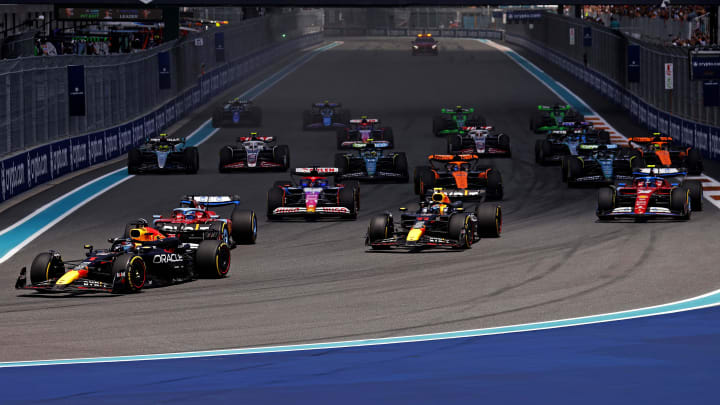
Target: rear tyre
(696, 193)
(564, 168)
(401, 166)
(504, 142)
(226, 157)
(454, 143)
(342, 163)
(460, 229)
(135, 272)
(606, 201)
(220, 227)
(281, 155)
(694, 162)
(348, 197)
(380, 228)
(425, 181)
(545, 152)
(438, 124)
(389, 137)
(489, 218)
(244, 226)
(134, 161)
(574, 169)
(636, 163)
(275, 198)
(212, 259)
(494, 185)
(192, 160)
(45, 267)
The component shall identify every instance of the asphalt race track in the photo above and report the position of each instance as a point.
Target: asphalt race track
(314, 281)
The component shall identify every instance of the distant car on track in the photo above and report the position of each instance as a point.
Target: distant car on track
(254, 152)
(364, 129)
(146, 258)
(482, 141)
(437, 223)
(237, 113)
(325, 115)
(450, 121)
(566, 140)
(424, 44)
(548, 118)
(460, 176)
(193, 221)
(662, 151)
(163, 154)
(372, 163)
(312, 196)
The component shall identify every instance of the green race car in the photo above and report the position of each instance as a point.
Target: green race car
(452, 120)
(550, 118)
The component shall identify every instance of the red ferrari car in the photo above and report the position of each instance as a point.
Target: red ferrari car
(193, 221)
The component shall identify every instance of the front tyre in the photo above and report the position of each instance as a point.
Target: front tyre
(129, 274)
(45, 267)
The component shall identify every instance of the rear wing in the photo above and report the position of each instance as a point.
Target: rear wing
(592, 147)
(449, 158)
(210, 200)
(369, 144)
(368, 120)
(650, 139)
(457, 109)
(660, 171)
(258, 138)
(173, 141)
(319, 105)
(315, 171)
(484, 128)
(553, 108)
(239, 101)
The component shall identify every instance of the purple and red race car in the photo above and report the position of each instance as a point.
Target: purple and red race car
(364, 130)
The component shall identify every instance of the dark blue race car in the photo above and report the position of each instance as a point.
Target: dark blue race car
(371, 162)
(237, 113)
(325, 115)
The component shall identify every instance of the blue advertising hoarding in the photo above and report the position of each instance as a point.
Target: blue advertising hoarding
(711, 93)
(219, 47)
(164, 70)
(76, 90)
(704, 65)
(587, 37)
(633, 66)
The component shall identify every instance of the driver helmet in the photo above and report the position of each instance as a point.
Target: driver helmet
(179, 215)
(658, 182)
(656, 146)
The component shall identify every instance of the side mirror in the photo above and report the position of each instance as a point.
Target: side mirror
(215, 216)
(157, 216)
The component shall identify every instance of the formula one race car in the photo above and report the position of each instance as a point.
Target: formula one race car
(482, 141)
(163, 154)
(254, 152)
(146, 258)
(566, 140)
(461, 178)
(598, 164)
(437, 223)
(424, 44)
(193, 221)
(549, 118)
(312, 196)
(649, 196)
(371, 162)
(452, 120)
(236, 113)
(363, 130)
(325, 115)
(660, 151)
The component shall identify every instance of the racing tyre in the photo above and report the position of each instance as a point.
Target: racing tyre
(226, 157)
(46, 267)
(192, 160)
(574, 170)
(212, 259)
(536, 122)
(380, 228)
(307, 119)
(222, 231)
(696, 193)
(460, 228)
(606, 201)
(275, 197)
(454, 143)
(416, 177)
(564, 168)
(538, 147)
(389, 137)
(244, 226)
(135, 272)
(425, 181)
(349, 198)
(494, 185)
(545, 152)
(281, 183)
(489, 218)
(134, 160)
(438, 124)
(340, 137)
(342, 163)
(256, 116)
(680, 201)
(504, 143)
(281, 154)
(401, 166)
(694, 162)
(636, 163)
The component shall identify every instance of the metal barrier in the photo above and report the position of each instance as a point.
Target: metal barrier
(608, 56)
(119, 88)
(394, 32)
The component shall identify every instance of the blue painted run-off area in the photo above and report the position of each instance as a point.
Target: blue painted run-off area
(668, 359)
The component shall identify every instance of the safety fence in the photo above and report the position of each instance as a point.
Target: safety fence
(395, 32)
(45, 163)
(706, 138)
(34, 106)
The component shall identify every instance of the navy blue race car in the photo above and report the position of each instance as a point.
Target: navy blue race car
(372, 163)
(163, 154)
(325, 115)
(566, 141)
(237, 113)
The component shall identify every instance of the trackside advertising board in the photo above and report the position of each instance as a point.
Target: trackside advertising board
(44, 163)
